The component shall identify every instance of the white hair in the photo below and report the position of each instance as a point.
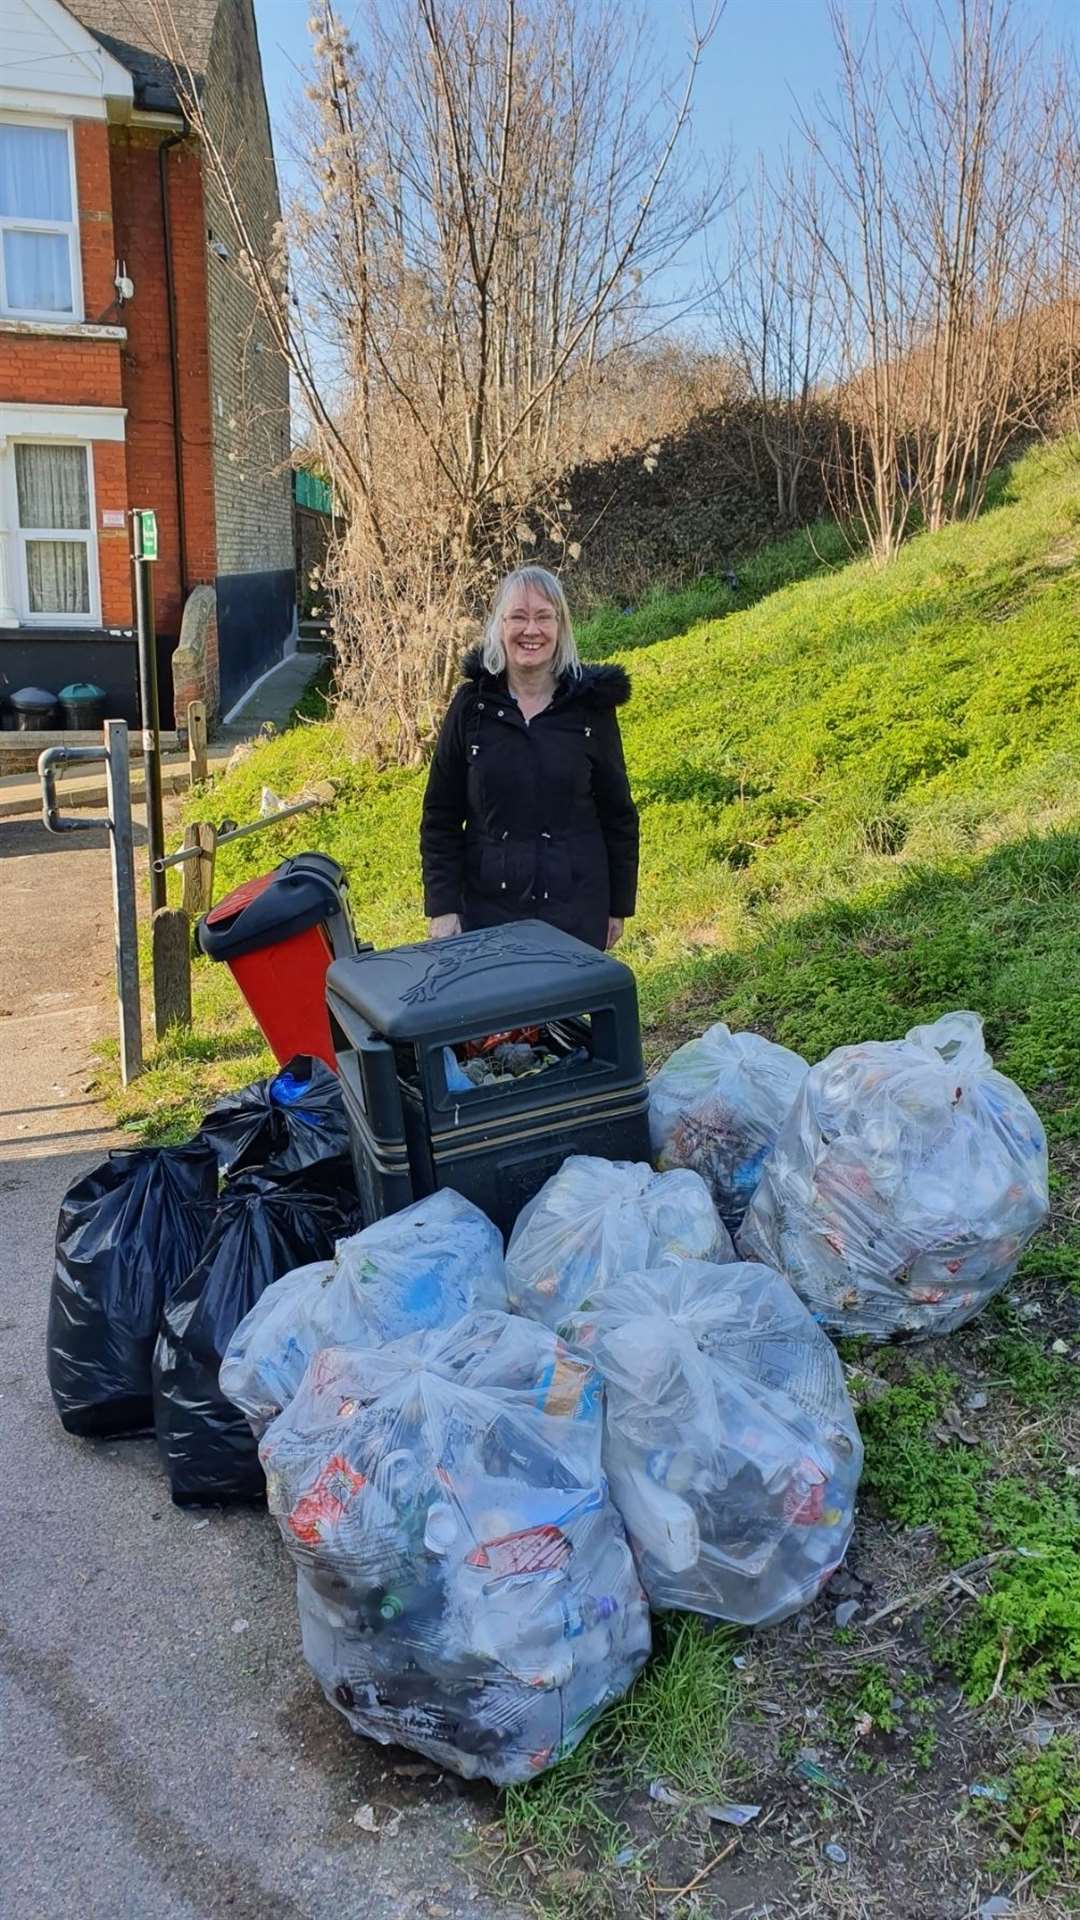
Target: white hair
(540, 581)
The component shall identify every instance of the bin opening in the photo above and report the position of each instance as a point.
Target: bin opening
(496, 1062)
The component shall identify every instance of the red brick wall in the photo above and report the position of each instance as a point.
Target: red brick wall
(114, 567)
(94, 186)
(147, 382)
(187, 215)
(54, 371)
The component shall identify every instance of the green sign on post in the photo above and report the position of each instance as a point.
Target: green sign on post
(147, 519)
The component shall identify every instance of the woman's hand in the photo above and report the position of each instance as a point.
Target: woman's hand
(445, 924)
(614, 934)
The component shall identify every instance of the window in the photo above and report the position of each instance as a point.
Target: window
(39, 270)
(54, 497)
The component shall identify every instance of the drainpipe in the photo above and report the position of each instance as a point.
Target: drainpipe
(173, 140)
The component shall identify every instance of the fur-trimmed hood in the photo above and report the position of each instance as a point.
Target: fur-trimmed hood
(606, 685)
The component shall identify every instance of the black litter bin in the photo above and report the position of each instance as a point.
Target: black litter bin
(277, 935)
(403, 1024)
(35, 710)
(83, 706)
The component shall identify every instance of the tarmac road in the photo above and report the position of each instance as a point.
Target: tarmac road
(164, 1750)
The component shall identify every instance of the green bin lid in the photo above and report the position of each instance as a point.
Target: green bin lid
(82, 690)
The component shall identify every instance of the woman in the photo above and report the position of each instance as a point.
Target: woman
(528, 813)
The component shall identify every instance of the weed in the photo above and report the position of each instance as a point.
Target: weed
(1028, 1625)
(1038, 1827)
(919, 1481)
(924, 1744)
(1026, 1629)
(873, 1699)
(1037, 1379)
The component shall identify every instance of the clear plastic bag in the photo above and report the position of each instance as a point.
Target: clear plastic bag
(729, 1439)
(464, 1581)
(717, 1105)
(904, 1185)
(596, 1219)
(423, 1267)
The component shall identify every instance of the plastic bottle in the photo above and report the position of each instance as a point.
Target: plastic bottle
(658, 1521)
(440, 1528)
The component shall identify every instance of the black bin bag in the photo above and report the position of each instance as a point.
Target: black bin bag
(129, 1232)
(265, 1225)
(291, 1120)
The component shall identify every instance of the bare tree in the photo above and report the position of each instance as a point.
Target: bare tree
(940, 165)
(981, 125)
(493, 194)
(777, 323)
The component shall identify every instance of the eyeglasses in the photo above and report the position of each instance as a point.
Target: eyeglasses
(547, 619)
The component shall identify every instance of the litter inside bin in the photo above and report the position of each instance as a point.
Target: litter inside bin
(511, 1059)
(265, 1225)
(289, 1121)
(129, 1232)
(464, 1581)
(596, 1219)
(905, 1183)
(729, 1439)
(423, 1267)
(717, 1105)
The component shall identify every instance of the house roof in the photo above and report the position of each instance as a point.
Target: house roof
(127, 29)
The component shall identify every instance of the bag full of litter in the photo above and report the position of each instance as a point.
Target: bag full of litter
(729, 1440)
(596, 1219)
(464, 1581)
(717, 1105)
(905, 1183)
(292, 1120)
(426, 1266)
(129, 1233)
(263, 1227)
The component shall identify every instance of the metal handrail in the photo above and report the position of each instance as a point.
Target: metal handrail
(253, 826)
(54, 820)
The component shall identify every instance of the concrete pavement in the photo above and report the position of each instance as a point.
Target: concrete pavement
(165, 1751)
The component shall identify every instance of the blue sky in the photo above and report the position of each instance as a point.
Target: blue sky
(764, 51)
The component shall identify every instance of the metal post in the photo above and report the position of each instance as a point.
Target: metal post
(118, 771)
(196, 732)
(148, 706)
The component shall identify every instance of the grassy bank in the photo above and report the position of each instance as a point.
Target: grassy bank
(860, 802)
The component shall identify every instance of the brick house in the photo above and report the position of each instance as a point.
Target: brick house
(135, 369)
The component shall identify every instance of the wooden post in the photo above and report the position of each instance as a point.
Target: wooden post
(196, 742)
(198, 875)
(171, 942)
(125, 918)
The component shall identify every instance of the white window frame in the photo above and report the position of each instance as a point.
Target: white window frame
(16, 223)
(86, 535)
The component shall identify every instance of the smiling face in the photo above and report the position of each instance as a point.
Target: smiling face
(530, 630)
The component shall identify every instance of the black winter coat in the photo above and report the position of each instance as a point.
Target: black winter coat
(533, 821)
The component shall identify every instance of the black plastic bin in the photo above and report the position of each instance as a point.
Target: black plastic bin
(392, 1015)
(34, 709)
(83, 706)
